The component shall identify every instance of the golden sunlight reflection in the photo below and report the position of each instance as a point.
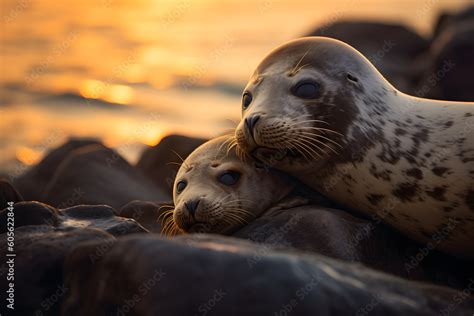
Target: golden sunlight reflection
(114, 93)
(119, 94)
(186, 62)
(28, 156)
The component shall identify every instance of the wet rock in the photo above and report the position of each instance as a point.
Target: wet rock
(148, 214)
(212, 275)
(39, 266)
(96, 174)
(159, 162)
(43, 236)
(100, 217)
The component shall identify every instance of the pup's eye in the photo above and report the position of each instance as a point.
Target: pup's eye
(180, 186)
(306, 89)
(229, 177)
(246, 100)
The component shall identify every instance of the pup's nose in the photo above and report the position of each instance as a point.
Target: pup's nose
(250, 123)
(192, 206)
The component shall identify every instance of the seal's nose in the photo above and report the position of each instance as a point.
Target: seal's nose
(192, 206)
(250, 123)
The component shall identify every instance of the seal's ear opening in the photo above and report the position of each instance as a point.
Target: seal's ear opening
(352, 78)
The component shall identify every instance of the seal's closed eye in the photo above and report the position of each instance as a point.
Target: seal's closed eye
(306, 89)
(229, 177)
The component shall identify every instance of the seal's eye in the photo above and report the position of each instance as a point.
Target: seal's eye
(306, 89)
(246, 100)
(229, 177)
(180, 186)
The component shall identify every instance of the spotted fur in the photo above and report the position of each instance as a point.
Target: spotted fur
(407, 160)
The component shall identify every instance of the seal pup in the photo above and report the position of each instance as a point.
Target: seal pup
(215, 191)
(319, 110)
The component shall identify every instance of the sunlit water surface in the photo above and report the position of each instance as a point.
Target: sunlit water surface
(131, 72)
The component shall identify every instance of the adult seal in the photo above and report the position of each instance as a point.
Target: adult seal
(319, 110)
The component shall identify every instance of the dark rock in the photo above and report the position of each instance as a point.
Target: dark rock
(449, 73)
(100, 217)
(446, 20)
(33, 182)
(96, 174)
(331, 233)
(148, 214)
(212, 275)
(31, 213)
(159, 162)
(392, 48)
(8, 194)
(340, 235)
(43, 236)
(39, 261)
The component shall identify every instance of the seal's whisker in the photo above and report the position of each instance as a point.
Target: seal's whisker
(304, 149)
(323, 137)
(231, 146)
(167, 227)
(165, 214)
(179, 156)
(294, 70)
(308, 121)
(236, 217)
(228, 220)
(166, 205)
(224, 143)
(241, 210)
(305, 144)
(234, 201)
(319, 142)
(324, 129)
(311, 143)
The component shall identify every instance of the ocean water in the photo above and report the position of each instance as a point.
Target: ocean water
(130, 72)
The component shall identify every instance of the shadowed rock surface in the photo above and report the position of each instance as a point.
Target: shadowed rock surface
(147, 213)
(448, 19)
(33, 182)
(40, 253)
(8, 194)
(338, 234)
(100, 217)
(147, 275)
(43, 237)
(392, 48)
(98, 175)
(449, 73)
(159, 162)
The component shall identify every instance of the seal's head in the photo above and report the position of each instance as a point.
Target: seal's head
(214, 191)
(302, 99)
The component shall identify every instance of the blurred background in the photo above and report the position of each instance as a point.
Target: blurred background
(131, 72)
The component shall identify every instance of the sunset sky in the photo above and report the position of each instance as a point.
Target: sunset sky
(150, 68)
